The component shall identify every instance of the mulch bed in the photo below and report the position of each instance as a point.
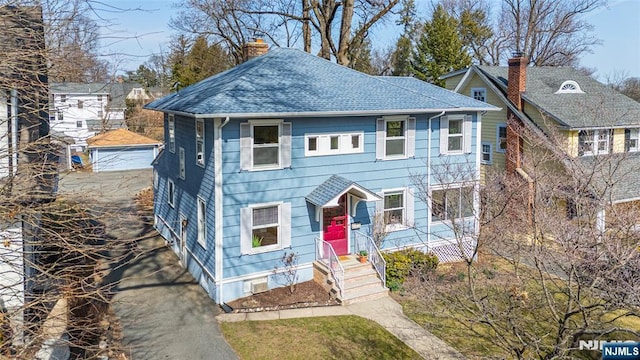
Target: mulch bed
(306, 294)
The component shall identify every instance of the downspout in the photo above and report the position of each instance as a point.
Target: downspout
(14, 132)
(429, 173)
(218, 195)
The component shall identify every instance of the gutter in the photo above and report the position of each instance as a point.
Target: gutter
(14, 132)
(218, 206)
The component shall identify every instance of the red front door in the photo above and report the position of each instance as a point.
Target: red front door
(334, 225)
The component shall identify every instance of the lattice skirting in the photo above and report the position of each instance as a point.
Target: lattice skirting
(452, 251)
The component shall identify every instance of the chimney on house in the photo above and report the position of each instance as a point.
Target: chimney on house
(517, 79)
(254, 48)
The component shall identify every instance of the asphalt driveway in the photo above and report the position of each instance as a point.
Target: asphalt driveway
(164, 313)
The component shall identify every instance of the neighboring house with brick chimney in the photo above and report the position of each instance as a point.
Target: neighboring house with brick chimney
(581, 120)
(289, 152)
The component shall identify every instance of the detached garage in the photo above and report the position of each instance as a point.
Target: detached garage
(121, 149)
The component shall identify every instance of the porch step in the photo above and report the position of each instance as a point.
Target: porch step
(361, 282)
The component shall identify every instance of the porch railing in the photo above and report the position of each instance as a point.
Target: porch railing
(365, 242)
(326, 254)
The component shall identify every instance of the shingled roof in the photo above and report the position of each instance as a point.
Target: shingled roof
(120, 137)
(598, 106)
(292, 82)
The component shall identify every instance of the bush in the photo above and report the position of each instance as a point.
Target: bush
(401, 264)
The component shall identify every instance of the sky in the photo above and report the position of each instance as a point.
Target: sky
(135, 35)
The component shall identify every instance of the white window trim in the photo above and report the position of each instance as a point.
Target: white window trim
(482, 90)
(202, 223)
(403, 224)
(466, 134)
(200, 157)
(254, 123)
(635, 137)
(482, 161)
(172, 133)
(452, 187)
(268, 248)
(498, 138)
(323, 144)
(182, 163)
(171, 193)
(595, 142)
(404, 136)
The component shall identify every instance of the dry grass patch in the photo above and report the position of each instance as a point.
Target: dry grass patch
(335, 337)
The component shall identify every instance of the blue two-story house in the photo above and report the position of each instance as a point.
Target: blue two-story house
(289, 152)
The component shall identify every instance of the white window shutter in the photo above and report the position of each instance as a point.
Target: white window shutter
(467, 132)
(411, 137)
(444, 135)
(380, 132)
(285, 146)
(410, 208)
(246, 223)
(245, 146)
(285, 225)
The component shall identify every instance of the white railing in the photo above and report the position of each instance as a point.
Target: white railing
(326, 254)
(365, 242)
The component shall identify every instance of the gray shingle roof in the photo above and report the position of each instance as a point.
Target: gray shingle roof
(599, 106)
(333, 187)
(616, 176)
(289, 81)
(117, 91)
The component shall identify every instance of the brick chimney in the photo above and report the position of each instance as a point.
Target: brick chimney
(517, 79)
(254, 48)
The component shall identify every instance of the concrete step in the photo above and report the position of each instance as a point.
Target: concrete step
(364, 295)
(363, 281)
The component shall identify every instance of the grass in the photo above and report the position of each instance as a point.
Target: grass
(332, 337)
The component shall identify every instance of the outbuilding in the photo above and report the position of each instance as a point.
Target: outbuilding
(121, 149)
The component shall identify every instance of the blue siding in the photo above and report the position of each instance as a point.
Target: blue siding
(198, 182)
(242, 188)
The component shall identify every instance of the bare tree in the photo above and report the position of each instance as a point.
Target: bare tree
(235, 21)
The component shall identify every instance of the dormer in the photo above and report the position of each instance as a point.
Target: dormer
(569, 87)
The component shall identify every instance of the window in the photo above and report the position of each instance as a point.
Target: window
(631, 140)
(60, 115)
(394, 138)
(183, 170)
(333, 144)
(265, 145)
(594, 142)
(486, 153)
(479, 94)
(172, 133)
(265, 227)
(569, 87)
(200, 142)
(137, 92)
(63, 98)
(100, 98)
(394, 208)
(79, 123)
(453, 203)
(501, 138)
(171, 189)
(202, 223)
(80, 104)
(455, 134)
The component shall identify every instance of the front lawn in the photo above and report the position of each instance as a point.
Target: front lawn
(332, 337)
(442, 306)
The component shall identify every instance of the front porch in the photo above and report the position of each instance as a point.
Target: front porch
(347, 278)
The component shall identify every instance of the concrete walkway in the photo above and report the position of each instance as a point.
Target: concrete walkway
(384, 311)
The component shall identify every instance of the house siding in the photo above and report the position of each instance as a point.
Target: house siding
(198, 182)
(290, 185)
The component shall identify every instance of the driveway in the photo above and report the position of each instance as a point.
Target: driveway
(164, 313)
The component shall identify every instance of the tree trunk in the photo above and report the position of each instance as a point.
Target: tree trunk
(342, 57)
